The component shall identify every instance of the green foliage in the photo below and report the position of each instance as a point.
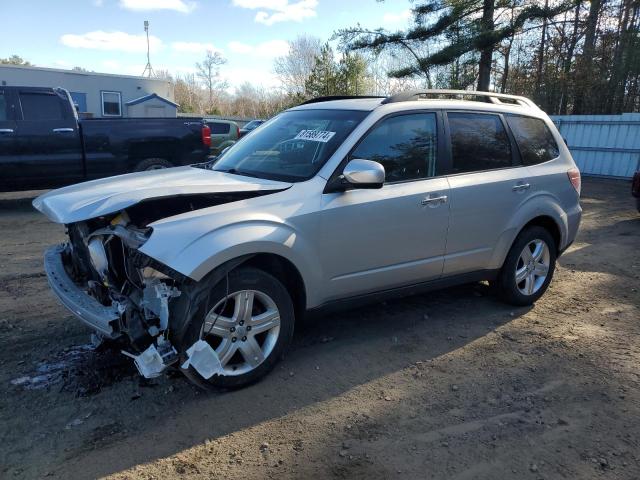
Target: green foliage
(348, 76)
(15, 60)
(454, 25)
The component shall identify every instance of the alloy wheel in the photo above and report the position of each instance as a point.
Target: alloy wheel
(243, 329)
(532, 267)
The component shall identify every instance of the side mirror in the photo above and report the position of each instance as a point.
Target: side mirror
(361, 173)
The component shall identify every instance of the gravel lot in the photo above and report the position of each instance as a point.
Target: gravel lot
(452, 384)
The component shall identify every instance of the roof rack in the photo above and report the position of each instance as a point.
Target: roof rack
(339, 97)
(496, 98)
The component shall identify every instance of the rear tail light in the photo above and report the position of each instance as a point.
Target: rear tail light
(574, 178)
(206, 136)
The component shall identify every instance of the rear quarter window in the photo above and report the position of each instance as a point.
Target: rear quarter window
(534, 139)
(219, 128)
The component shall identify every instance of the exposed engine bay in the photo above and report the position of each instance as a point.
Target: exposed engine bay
(102, 258)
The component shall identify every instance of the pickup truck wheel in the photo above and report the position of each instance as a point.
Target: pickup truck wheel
(528, 268)
(248, 322)
(152, 164)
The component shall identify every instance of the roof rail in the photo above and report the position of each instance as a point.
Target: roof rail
(492, 97)
(339, 97)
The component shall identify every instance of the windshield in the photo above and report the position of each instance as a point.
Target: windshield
(292, 147)
(253, 124)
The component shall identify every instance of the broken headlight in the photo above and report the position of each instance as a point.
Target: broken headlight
(98, 256)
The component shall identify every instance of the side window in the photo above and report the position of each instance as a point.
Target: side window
(478, 142)
(405, 145)
(111, 104)
(535, 141)
(3, 108)
(219, 128)
(41, 107)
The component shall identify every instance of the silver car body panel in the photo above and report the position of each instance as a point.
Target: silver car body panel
(348, 243)
(92, 199)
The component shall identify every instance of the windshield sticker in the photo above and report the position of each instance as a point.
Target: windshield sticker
(315, 135)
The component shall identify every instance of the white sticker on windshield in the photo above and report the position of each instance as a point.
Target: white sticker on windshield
(315, 135)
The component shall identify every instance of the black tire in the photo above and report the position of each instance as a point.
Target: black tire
(242, 278)
(506, 285)
(152, 164)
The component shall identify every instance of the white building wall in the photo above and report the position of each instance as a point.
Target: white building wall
(152, 108)
(89, 83)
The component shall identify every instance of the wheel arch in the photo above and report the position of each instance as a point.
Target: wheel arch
(549, 224)
(287, 273)
(550, 217)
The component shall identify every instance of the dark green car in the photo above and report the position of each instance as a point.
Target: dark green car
(224, 133)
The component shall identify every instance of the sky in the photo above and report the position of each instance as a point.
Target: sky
(108, 35)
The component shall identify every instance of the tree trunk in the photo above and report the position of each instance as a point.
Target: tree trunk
(585, 61)
(505, 71)
(564, 96)
(541, 53)
(486, 54)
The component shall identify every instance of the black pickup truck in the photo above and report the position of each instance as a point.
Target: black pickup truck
(43, 145)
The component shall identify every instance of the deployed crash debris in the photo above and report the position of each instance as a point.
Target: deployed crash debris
(204, 359)
(154, 360)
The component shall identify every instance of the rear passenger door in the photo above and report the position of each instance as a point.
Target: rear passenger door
(48, 140)
(8, 145)
(488, 184)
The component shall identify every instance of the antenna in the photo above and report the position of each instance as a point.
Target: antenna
(148, 70)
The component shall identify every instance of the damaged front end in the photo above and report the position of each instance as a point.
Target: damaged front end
(103, 278)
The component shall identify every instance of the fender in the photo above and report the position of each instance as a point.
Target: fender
(539, 204)
(217, 246)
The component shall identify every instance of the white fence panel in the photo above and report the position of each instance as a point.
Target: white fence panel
(604, 145)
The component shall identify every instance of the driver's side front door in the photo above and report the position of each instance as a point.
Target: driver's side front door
(393, 236)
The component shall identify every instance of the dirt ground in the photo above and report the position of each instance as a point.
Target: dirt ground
(453, 384)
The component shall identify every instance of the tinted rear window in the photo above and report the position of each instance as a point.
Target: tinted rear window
(478, 142)
(41, 106)
(534, 139)
(3, 108)
(219, 128)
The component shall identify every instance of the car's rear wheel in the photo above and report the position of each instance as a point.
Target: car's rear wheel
(152, 164)
(248, 321)
(528, 268)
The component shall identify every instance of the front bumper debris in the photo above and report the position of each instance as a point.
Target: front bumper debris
(97, 316)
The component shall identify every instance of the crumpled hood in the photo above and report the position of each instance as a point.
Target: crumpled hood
(95, 198)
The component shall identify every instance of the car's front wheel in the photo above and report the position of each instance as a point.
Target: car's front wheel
(528, 268)
(248, 320)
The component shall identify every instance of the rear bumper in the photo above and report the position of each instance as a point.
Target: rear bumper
(574, 216)
(100, 318)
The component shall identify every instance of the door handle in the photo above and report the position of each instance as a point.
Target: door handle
(433, 201)
(63, 130)
(520, 187)
(6, 130)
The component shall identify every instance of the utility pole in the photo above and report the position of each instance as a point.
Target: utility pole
(148, 70)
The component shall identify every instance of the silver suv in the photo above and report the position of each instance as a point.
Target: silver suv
(339, 200)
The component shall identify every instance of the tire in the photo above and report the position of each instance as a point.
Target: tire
(152, 164)
(534, 284)
(268, 294)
